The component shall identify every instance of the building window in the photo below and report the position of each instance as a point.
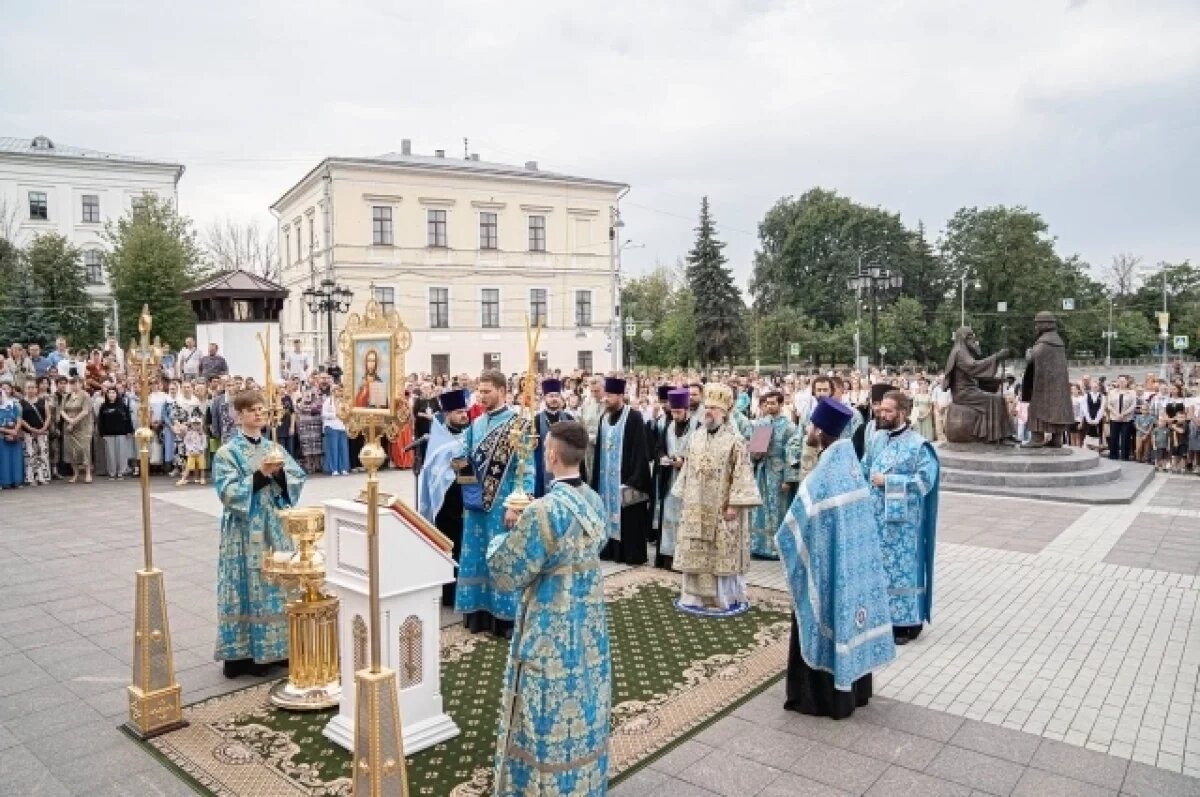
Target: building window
(490, 305)
(91, 208)
(386, 297)
(489, 231)
(439, 364)
(491, 359)
(381, 225)
(583, 308)
(138, 203)
(38, 209)
(538, 311)
(93, 267)
(287, 248)
(583, 361)
(543, 362)
(437, 227)
(439, 308)
(312, 236)
(537, 233)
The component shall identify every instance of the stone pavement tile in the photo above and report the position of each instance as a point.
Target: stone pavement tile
(673, 787)
(768, 746)
(84, 740)
(85, 772)
(730, 775)
(901, 782)
(1038, 783)
(936, 725)
(7, 740)
(724, 729)
(152, 783)
(22, 774)
(838, 733)
(28, 676)
(839, 768)
(979, 771)
(52, 722)
(640, 783)
(789, 785)
(34, 700)
(1147, 781)
(681, 757)
(895, 747)
(1075, 762)
(1006, 743)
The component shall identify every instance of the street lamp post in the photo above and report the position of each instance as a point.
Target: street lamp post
(614, 244)
(858, 305)
(328, 297)
(879, 283)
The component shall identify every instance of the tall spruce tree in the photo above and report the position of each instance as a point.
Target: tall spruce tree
(719, 308)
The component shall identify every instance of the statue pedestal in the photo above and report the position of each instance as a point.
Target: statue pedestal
(412, 571)
(1075, 475)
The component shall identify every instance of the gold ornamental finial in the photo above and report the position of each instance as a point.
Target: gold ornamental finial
(145, 320)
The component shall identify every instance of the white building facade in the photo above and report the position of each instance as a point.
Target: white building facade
(464, 250)
(46, 187)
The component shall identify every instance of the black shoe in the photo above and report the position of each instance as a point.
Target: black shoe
(282, 664)
(236, 668)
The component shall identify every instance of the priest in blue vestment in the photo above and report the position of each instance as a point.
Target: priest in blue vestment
(555, 715)
(488, 447)
(904, 472)
(552, 414)
(829, 545)
(770, 473)
(620, 473)
(439, 485)
(252, 626)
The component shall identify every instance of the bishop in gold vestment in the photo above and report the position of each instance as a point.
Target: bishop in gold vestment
(717, 487)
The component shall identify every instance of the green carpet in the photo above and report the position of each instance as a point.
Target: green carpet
(672, 674)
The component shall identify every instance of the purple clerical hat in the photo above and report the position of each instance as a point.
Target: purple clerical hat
(551, 386)
(614, 386)
(678, 399)
(831, 416)
(452, 400)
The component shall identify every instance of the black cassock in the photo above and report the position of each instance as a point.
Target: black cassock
(449, 521)
(635, 473)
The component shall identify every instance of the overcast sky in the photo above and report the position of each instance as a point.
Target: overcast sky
(1087, 112)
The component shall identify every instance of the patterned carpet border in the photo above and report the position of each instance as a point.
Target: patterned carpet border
(643, 730)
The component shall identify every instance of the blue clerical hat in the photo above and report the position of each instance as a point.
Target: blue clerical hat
(551, 386)
(452, 400)
(831, 416)
(614, 386)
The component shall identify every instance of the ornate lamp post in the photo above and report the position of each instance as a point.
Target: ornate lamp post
(880, 284)
(328, 297)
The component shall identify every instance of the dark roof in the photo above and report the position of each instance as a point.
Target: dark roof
(236, 283)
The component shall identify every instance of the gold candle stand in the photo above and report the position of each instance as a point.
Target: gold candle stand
(155, 699)
(314, 678)
(378, 765)
(523, 436)
(272, 401)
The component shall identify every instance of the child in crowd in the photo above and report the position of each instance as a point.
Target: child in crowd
(1143, 424)
(1162, 441)
(195, 444)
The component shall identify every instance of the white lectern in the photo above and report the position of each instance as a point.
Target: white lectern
(412, 569)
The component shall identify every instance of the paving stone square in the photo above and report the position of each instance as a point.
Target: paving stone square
(1063, 657)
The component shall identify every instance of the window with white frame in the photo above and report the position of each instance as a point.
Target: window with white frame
(39, 209)
(381, 225)
(489, 304)
(539, 307)
(287, 247)
(436, 227)
(489, 231)
(91, 208)
(386, 297)
(439, 308)
(93, 267)
(583, 361)
(537, 233)
(583, 308)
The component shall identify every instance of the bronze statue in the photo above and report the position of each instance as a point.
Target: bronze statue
(1046, 385)
(978, 411)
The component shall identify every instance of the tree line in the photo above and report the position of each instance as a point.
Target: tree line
(996, 267)
(152, 255)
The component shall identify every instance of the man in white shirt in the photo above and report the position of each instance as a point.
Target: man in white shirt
(188, 360)
(298, 364)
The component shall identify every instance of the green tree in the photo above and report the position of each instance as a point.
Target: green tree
(719, 308)
(1007, 255)
(154, 257)
(56, 268)
(21, 318)
(678, 335)
(11, 264)
(644, 304)
(1183, 299)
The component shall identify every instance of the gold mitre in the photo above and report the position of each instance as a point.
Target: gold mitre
(718, 395)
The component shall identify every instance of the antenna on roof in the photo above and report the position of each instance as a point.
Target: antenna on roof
(466, 150)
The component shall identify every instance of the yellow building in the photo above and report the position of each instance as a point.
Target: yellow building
(463, 249)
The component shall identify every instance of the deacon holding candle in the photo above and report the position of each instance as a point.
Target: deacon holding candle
(254, 479)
